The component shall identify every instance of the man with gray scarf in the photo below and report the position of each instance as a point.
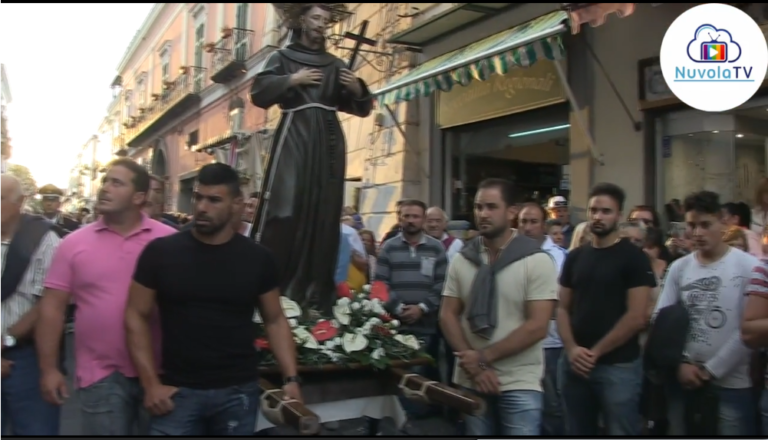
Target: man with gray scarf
(499, 296)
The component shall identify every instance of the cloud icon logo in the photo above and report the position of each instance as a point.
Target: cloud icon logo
(712, 45)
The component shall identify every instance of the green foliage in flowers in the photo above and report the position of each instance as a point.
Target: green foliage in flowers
(360, 332)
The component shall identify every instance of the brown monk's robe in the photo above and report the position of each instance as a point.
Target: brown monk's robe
(300, 220)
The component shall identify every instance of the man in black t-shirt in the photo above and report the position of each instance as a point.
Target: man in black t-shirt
(206, 283)
(605, 288)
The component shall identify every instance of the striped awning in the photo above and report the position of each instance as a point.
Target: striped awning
(520, 46)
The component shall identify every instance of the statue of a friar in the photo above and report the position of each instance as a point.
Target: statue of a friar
(299, 215)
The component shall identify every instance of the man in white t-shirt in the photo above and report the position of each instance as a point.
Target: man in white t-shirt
(498, 299)
(712, 282)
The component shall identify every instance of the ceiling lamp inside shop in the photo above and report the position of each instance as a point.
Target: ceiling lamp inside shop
(540, 130)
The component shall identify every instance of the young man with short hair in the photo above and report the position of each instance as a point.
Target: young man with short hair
(605, 287)
(498, 300)
(554, 228)
(712, 282)
(93, 267)
(205, 284)
(531, 222)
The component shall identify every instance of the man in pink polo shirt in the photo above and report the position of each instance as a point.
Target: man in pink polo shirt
(94, 266)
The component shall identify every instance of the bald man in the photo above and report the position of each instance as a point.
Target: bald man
(26, 239)
(437, 227)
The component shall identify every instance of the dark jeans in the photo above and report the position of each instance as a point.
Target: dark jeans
(223, 411)
(24, 412)
(764, 411)
(114, 405)
(415, 409)
(552, 423)
(611, 390)
(735, 409)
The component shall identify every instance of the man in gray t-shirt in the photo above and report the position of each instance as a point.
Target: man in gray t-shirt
(712, 283)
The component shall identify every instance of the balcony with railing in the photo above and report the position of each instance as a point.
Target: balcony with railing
(177, 96)
(118, 145)
(229, 54)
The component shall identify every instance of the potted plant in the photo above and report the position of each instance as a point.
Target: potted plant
(155, 96)
(226, 32)
(183, 70)
(142, 110)
(167, 85)
(210, 47)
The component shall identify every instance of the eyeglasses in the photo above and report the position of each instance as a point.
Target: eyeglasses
(645, 221)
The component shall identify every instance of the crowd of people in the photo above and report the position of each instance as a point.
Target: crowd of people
(620, 325)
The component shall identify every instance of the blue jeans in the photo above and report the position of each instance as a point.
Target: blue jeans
(552, 423)
(24, 412)
(223, 411)
(611, 390)
(513, 413)
(113, 405)
(735, 409)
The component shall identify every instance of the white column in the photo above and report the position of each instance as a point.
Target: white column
(219, 20)
(184, 35)
(719, 166)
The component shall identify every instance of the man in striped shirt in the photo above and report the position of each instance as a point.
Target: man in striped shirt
(754, 329)
(23, 408)
(413, 265)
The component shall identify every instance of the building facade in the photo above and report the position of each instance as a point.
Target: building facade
(84, 177)
(5, 100)
(181, 101)
(182, 85)
(528, 92)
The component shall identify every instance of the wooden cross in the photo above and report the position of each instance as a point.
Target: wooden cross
(359, 40)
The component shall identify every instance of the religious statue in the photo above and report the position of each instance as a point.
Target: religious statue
(299, 216)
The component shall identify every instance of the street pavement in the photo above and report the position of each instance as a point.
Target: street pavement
(436, 426)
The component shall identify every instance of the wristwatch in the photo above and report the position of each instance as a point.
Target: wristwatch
(482, 362)
(8, 341)
(291, 379)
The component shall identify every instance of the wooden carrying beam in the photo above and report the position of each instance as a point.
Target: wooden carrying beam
(418, 387)
(287, 412)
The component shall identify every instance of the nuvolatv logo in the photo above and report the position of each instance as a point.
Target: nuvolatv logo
(714, 57)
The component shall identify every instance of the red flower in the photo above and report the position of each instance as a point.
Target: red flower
(324, 331)
(262, 344)
(380, 291)
(343, 290)
(383, 331)
(386, 317)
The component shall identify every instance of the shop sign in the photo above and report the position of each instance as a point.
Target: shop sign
(519, 90)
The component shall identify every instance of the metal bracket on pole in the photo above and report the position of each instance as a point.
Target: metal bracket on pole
(408, 145)
(576, 112)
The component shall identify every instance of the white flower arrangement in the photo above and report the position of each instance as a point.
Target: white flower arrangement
(360, 332)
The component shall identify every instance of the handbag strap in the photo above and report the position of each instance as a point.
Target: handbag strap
(25, 241)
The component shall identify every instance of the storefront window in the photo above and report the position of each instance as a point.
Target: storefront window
(727, 162)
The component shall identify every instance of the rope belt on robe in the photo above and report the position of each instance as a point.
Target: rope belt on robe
(289, 112)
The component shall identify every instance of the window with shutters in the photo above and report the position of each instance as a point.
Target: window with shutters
(241, 32)
(199, 51)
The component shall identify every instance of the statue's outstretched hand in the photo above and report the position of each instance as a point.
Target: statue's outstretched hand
(307, 77)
